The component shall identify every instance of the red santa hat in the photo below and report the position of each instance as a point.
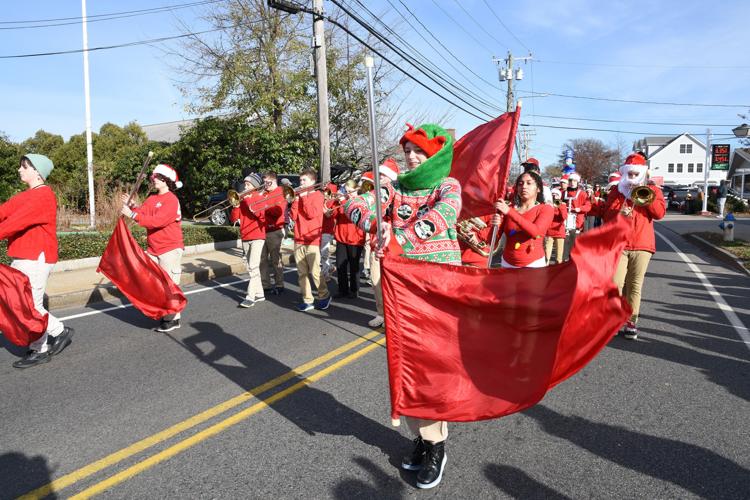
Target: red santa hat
(556, 193)
(635, 162)
(390, 169)
(168, 172)
(564, 178)
(613, 179)
(367, 177)
(575, 177)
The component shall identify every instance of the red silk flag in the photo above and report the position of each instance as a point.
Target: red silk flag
(139, 278)
(20, 322)
(468, 344)
(481, 163)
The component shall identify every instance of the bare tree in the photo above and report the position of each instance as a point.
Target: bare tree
(593, 159)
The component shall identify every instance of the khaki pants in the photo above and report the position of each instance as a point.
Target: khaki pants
(252, 251)
(430, 430)
(270, 260)
(631, 271)
(308, 265)
(559, 246)
(368, 253)
(171, 262)
(376, 289)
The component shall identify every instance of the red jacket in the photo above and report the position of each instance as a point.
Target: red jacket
(160, 214)
(578, 199)
(557, 226)
(641, 220)
(524, 234)
(274, 209)
(307, 215)
(29, 222)
(329, 222)
(346, 232)
(468, 255)
(252, 224)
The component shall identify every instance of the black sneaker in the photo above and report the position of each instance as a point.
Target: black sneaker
(33, 358)
(433, 465)
(57, 344)
(414, 461)
(168, 325)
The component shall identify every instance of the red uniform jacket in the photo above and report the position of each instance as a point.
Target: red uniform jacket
(346, 232)
(557, 226)
(525, 234)
(468, 255)
(29, 222)
(274, 210)
(252, 223)
(329, 222)
(160, 214)
(641, 220)
(307, 215)
(578, 199)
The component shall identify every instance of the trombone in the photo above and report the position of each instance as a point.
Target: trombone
(233, 199)
(290, 193)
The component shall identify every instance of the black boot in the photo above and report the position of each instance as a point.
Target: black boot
(414, 461)
(432, 465)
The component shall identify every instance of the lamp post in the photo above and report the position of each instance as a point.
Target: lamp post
(742, 132)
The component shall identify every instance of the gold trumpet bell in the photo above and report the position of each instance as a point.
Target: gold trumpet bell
(234, 198)
(642, 196)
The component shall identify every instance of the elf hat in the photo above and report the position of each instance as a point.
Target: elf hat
(437, 144)
(575, 177)
(420, 137)
(168, 172)
(390, 169)
(254, 179)
(41, 164)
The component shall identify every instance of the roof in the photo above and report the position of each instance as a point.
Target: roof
(740, 160)
(168, 131)
(658, 140)
(671, 140)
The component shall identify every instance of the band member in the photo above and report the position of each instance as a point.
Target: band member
(578, 207)
(307, 217)
(28, 221)
(474, 238)
(350, 241)
(274, 215)
(641, 244)
(525, 223)
(329, 222)
(556, 233)
(161, 216)
(424, 204)
(532, 165)
(367, 183)
(253, 235)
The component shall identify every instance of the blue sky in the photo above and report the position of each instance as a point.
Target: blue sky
(667, 51)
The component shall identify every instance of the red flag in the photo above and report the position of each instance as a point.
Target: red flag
(20, 322)
(481, 163)
(467, 343)
(139, 278)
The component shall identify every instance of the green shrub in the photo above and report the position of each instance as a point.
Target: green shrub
(735, 205)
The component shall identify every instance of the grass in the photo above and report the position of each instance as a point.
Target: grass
(739, 248)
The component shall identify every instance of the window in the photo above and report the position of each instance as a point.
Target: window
(699, 167)
(679, 168)
(686, 148)
(690, 168)
(670, 168)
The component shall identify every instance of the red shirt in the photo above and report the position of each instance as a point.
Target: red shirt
(307, 215)
(471, 257)
(641, 220)
(274, 210)
(252, 223)
(329, 222)
(160, 214)
(524, 234)
(346, 232)
(29, 222)
(557, 227)
(578, 199)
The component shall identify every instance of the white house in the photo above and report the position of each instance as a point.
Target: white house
(677, 159)
(739, 171)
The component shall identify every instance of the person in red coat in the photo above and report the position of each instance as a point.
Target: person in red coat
(329, 223)
(578, 206)
(275, 213)
(350, 242)
(525, 223)
(28, 221)
(555, 237)
(160, 214)
(253, 235)
(641, 243)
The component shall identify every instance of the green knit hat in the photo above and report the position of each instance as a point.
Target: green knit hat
(437, 167)
(41, 164)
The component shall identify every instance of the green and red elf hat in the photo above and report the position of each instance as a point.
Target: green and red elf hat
(437, 144)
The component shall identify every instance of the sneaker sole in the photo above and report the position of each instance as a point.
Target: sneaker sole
(165, 330)
(436, 481)
(23, 367)
(248, 306)
(410, 467)
(631, 336)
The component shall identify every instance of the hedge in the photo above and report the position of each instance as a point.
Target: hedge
(92, 244)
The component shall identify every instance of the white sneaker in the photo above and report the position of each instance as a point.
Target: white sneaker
(376, 322)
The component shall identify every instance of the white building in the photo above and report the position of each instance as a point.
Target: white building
(677, 159)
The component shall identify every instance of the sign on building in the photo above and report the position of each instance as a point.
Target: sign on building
(720, 157)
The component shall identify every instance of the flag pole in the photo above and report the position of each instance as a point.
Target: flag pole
(369, 63)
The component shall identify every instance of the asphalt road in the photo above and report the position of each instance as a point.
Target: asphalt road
(259, 403)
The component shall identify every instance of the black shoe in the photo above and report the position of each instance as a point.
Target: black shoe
(57, 344)
(432, 465)
(33, 358)
(168, 325)
(414, 461)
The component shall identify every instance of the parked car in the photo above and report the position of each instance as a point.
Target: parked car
(680, 196)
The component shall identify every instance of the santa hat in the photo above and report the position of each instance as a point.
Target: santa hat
(333, 188)
(168, 172)
(556, 193)
(613, 179)
(530, 164)
(635, 162)
(390, 169)
(575, 177)
(368, 177)
(564, 178)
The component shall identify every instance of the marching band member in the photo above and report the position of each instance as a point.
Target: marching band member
(477, 237)
(556, 233)
(350, 241)
(578, 207)
(307, 216)
(424, 204)
(28, 221)
(525, 223)
(253, 235)
(641, 245)
(160, 215)
(274, 215)
(367, 183)
(329, 222)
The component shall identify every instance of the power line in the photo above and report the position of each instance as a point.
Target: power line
(645, 66)
(545, 94)
(631, 121)
(600, 129)
(504, 26)
(502, 44)
(459, 25)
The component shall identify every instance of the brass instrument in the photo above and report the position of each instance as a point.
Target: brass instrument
(556, 202)
(290, 193)
(366, 187)
(233, 199)
(467, 228)
(642, 196)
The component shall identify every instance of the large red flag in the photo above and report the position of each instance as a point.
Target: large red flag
(481, 163)
(20, 322)
(467, 343)
(139, 278)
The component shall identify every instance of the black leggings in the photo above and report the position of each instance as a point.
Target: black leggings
(347, 267)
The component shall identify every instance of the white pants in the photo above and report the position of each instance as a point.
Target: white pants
(253, 249)
(722, 202)
(38, 272)
(542, 262)
(171, 262)
(325, 253)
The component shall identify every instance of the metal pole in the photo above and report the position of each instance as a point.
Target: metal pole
(369, 63)
(511, 76)
(321, 76)
(89, 147)
(706, 170)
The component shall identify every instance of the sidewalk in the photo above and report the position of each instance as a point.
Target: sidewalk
(80, 287)
(684, 224)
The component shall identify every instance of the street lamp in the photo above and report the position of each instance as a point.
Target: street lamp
(742, 131)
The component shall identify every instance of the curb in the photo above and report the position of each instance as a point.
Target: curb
(719, 253)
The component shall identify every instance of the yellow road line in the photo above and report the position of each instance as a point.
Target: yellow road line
(146, 443)
(219, 427)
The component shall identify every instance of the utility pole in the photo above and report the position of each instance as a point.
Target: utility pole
(706, 171)
(87, 99)
(508, 73)
(321, 77)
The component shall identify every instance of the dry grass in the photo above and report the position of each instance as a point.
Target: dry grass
(108, 205)
(740, 248)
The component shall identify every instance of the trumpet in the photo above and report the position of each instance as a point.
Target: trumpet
(642, 196)
(233, 199)
(290, 193)
(556, 202)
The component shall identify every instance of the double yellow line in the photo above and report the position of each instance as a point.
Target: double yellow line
(144, 444)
